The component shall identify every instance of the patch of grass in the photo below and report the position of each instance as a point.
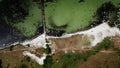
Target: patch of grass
(69, 60)
(47, 50)
(105, 44)
(15, 59)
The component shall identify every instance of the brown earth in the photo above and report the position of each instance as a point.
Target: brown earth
(14, 58)
(102, 60)
(73, 43)
(116, 41)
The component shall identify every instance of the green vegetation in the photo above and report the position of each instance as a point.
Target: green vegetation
(76, 14)
(48, 62)
(11, 47)
(71, 60)
(23, 66)
(108, 12)
(27, 59)
(105, 44)
(47, 49)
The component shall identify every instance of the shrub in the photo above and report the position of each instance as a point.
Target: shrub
(11, 48)
(105, 44)
(69, 60)
(27, 59)
(48, 62)
(47, 50)
(23, 66)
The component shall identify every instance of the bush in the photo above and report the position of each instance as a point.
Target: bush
(104, 11)
(11, 48)
(48, 62)
(27, 59)
(108, 12)
(23, 66)
(69, 60)
(47, 50)
(105, 44)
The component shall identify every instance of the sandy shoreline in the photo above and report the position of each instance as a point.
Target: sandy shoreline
(95, 35)
(99, 33)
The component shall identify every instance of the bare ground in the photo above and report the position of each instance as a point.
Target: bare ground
(74, 43)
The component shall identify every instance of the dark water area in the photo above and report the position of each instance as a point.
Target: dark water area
(12, 12)
(7, 39)
(10, 35)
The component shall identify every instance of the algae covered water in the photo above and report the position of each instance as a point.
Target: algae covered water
(73, 15)
(22, 19)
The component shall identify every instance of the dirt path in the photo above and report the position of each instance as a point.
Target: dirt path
(107, 51)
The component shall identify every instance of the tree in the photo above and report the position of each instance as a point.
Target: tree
(23, 66)
(47, 50)
(11, 48)
(106, 12)
(27, 59)
(48, 62)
